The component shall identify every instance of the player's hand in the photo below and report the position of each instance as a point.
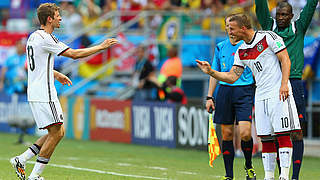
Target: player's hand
(63, 79)
(204, 66)
(284, 92)
(210, 105)
(108, 42)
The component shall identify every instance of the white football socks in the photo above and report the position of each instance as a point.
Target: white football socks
(269, 164)
(39, 166)
(33, 150)
(37, 169)
(285, 155)
(24, 157)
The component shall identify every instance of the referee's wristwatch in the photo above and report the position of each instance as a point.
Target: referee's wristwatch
(210, 98)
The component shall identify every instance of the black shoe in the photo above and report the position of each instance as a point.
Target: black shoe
(250, 173)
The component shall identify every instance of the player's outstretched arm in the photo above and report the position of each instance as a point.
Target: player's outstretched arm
(63, 79)
(229, 77)
(285, 68)
(84, 52)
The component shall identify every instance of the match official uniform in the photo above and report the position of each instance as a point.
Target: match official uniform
(42, 95)
(233, 101)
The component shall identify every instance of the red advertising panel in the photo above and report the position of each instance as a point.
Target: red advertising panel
(110, 120)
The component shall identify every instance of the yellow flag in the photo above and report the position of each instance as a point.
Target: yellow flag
(213, 143)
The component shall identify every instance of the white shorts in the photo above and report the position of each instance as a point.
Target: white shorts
(46, 113)
(276, 117)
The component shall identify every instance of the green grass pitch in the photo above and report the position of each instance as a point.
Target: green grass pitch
(77, 160)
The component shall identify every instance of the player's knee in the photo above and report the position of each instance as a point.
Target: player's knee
(268, 144)
(57, 131)
(245, 134)
(284, 140)
(296, 136)
(227, 134)
(227, 137)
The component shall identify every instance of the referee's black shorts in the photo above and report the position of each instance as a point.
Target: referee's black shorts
(234, 103)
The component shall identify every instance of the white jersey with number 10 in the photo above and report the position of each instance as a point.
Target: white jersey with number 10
(260, 56)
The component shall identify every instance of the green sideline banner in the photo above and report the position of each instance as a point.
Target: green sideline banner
(76, 117)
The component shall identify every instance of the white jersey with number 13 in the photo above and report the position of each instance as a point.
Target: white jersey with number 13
(41, 49)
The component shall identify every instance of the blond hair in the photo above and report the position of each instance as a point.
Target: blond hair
(242, 20)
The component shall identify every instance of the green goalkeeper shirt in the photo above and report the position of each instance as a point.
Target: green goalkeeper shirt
(293, 35)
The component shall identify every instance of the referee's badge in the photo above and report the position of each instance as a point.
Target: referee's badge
(260, 47)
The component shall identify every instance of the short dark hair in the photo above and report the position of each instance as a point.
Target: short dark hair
(242, 20)
(45, 10)
(285, 4)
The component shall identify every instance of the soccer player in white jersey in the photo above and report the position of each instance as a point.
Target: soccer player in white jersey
(42, 46)
(276, 114)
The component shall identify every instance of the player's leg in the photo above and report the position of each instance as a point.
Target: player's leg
(297, 137)
(224, 115)
(19, 162)
(247, 147)
(264, 131)
(246, 141)
(277, 159)
(55, 134)
(297, 154)
(33, 150)
(228, 148)
(269, 154)
(47, 116)
(284, 119)
(243, 103)
(237, 141)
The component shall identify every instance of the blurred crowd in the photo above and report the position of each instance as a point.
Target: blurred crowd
(20, 15)
(77, 14)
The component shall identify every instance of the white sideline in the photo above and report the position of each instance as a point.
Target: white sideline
(93, 170)
(99, 171)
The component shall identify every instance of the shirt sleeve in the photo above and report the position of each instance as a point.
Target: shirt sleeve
(263, 14)
(275, 42)
(216, 62)
(54, 46)
(306, 15)
(237, 61)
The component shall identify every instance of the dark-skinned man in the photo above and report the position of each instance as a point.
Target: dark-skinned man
(293, 34)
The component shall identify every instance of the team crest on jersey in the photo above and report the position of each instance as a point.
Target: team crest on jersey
(253, 52)
(260, 47)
